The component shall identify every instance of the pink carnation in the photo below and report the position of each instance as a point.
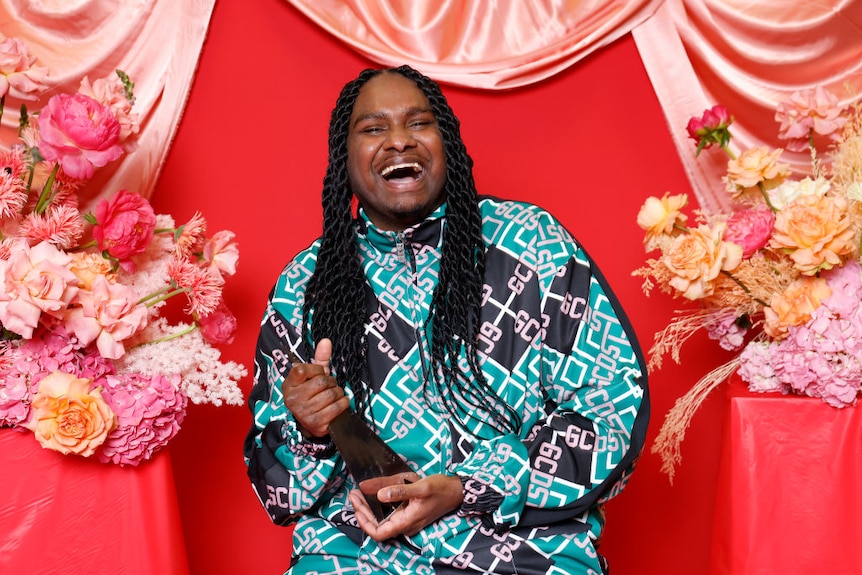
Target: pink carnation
(79, 133)
(149, 412)
(750, 229)
(809, 112)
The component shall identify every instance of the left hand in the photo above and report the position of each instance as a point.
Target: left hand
(426, 499)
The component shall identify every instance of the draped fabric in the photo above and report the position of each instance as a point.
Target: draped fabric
(488, 44)
(156, 42)
(747, 56)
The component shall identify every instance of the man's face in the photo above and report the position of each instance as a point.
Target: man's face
(395, 158)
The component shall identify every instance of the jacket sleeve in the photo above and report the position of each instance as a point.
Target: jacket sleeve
(289, 475)
(579, 448)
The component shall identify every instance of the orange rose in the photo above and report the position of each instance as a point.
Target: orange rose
(815, 231)
(68, 417)
(752, 167)
(88, 266)
(697, 258)
(795, 305)
(658, 216)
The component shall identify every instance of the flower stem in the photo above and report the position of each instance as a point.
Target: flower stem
(729, 152)
(47, 193)
(161, 295)
(766, 197)
(180, 333)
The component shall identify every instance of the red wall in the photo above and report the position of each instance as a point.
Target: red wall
(589, 144)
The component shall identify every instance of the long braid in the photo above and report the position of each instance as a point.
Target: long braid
(331, 300)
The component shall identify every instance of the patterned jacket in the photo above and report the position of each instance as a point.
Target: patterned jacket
(555, 345)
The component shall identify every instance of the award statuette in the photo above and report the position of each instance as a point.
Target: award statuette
(365, 454)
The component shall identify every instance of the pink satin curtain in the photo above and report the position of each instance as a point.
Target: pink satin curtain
(745, 55)
(156, 42)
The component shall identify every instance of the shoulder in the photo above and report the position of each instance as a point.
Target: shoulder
(512, 223)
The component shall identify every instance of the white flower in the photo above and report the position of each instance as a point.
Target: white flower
(793, 189)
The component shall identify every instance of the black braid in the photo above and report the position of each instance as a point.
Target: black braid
(331, 295)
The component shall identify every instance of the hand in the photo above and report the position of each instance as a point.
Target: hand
(312, 394)
(426, 501)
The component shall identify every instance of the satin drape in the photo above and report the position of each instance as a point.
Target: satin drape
(156, 42)
(747, 56)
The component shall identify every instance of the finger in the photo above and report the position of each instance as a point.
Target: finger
(322, 353)
(364, 515)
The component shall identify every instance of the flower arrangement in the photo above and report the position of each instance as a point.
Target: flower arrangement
(777, 278)
(89, 361)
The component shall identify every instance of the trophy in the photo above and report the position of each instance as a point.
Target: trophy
(367, 457)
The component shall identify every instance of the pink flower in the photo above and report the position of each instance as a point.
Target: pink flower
(34, 281)
(221, 253)
(723, 326)
(125, 226)
(108, 314)
(79, 133)
(219, 326)
(18, 74)
(202, 287)
(191, 235)
(13, 190)
(61, 226)
(111, 92)
(750, 229)
(711, 128)
(809, 112)
(149, 412)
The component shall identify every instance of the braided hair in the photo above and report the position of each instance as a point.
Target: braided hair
(332, 310)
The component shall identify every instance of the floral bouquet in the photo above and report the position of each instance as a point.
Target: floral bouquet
(88, 362)
(778, 277)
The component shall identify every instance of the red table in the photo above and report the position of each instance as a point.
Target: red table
(790, 489)
(70, 515)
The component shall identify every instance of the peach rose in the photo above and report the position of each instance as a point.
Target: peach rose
(110, 92)
(795, 305)
(815, 231)
(658, 216)
(697, 258)
(68, 417)
(87, 266)
(755, 166)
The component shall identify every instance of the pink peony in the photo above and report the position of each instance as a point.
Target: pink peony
(79, 133)
(218, 327)
(149, 413)
(750, 229)
(125, 226)
(34, 281)
(108, 313)
(19, 76)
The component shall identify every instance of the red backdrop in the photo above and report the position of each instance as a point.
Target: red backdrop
(589, 144)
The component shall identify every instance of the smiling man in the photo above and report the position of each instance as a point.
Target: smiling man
(474, 335)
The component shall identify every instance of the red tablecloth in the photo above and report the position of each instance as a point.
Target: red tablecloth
(790, 491)
(69, 515)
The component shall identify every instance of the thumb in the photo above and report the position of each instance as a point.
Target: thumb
(322, 353)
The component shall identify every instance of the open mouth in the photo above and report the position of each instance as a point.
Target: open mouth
(409, 171)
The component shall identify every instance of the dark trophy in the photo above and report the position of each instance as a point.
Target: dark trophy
(367, 457)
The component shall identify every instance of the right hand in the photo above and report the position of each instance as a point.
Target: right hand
(312, 394)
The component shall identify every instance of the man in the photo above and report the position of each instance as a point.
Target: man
(474, 335)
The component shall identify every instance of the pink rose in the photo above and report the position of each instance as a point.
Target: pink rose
(107, 315)
(125, 225)
(809, 112)
(18, 74)
(219, 326)
(221, 253)
(34, 281)
(79, 133)
(750, 229)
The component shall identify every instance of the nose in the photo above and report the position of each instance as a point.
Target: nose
(400, 138)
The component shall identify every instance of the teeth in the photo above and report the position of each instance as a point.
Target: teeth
(389, 169)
